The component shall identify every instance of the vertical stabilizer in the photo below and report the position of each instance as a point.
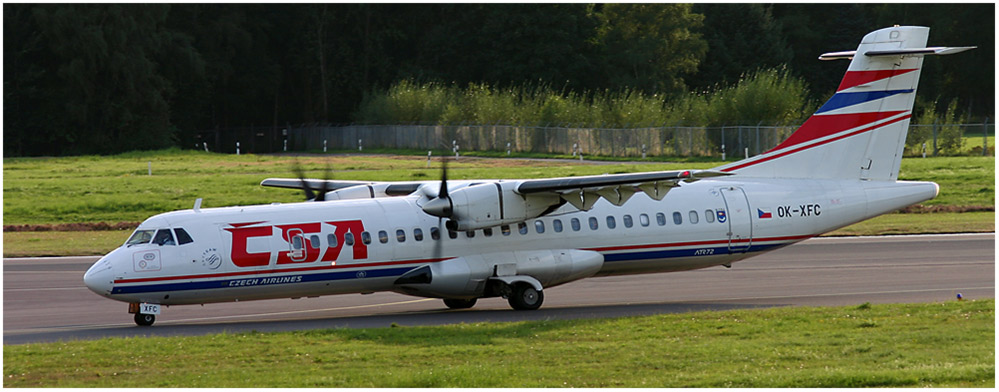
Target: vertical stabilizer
(860, 132)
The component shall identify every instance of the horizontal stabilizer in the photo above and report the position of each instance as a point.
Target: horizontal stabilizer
(937, 50)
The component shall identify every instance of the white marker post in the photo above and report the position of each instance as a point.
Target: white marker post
(150, 166)
(206, 146)
(429, 153)
(324, 145)
(237, 148)
(360, 144)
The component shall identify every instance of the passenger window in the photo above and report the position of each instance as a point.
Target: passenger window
(677, 218)
(627, 221)
(366, 238)
(539, 226)
(140, 237)
(488, 232)
(164, 237)
(400, 235)
(661, 219)
(522, 227)
(709, 216)
(643, 220)
(435, 233)
(693, 216)
(348, 239)
(505, 229)
(557, 225)
(382, 236)
(574, 223)
(418, 234)
(593, 223)
(610, 222)
(182, 236)
(314, 241)
(331, 240)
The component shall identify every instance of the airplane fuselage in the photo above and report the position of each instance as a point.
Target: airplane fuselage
(360, 246)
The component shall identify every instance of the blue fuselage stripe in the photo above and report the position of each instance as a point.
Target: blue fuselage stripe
(391, 272)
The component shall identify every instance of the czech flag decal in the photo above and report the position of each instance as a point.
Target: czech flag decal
(764, 213)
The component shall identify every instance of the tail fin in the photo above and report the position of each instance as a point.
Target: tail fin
(860, 132)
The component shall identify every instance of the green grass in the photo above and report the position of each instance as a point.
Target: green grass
(936, 223)
(62, 243)
(118, 188)
(904, 345)
(964, 181)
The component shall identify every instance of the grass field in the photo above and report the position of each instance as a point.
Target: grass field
(904, 345)
(118, 188)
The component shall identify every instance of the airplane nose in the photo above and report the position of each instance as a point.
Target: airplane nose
(100, 277)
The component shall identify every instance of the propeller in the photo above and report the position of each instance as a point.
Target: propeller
(441, 207)
(310, 194)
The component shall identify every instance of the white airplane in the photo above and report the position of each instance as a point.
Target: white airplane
(464, 240)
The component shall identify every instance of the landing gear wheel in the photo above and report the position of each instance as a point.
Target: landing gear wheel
(525, 297)
(460, 303)
(145, 320)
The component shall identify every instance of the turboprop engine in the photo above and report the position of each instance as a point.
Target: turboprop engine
(488, 275)
(490, 204)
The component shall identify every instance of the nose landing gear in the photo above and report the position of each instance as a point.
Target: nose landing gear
(144, 320)
(145, 314)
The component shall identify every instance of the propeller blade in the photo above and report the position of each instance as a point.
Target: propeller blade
(327, 175)
(443, 190)
(440, 206)
(309, 194)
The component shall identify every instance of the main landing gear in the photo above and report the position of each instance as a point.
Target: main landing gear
(520, 295)
(525, 297)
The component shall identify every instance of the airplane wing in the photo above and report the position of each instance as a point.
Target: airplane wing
(583, 191)
(294, 183)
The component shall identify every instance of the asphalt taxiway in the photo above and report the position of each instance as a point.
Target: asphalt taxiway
(44, 299)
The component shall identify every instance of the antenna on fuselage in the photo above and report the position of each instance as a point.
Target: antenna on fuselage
(197, 205)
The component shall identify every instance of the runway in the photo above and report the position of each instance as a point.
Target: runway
(45, 299)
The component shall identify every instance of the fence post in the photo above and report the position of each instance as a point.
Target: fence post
(985, 137)
(934, 137)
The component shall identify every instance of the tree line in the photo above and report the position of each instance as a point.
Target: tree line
(104, 78)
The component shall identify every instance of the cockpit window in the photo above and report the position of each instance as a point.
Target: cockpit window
(140, 237)
(182, 236)
(164, 237)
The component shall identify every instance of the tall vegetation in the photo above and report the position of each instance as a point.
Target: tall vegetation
(771, 96)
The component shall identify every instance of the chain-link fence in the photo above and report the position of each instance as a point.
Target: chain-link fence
(726, 142)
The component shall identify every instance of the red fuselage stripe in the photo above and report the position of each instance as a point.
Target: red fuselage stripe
(788, 152)
(419, 261)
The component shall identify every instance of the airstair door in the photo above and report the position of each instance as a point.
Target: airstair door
(740, 224)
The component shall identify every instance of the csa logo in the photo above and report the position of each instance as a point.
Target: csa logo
(721, 216)
(210, 258)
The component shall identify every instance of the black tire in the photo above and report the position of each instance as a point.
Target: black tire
(525, 297)
(460, 303)
(144, 320)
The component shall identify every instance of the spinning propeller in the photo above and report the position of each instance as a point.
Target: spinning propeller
(311, 195)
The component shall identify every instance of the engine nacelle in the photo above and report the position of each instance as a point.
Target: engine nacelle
(495, 203)
(468, 276)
